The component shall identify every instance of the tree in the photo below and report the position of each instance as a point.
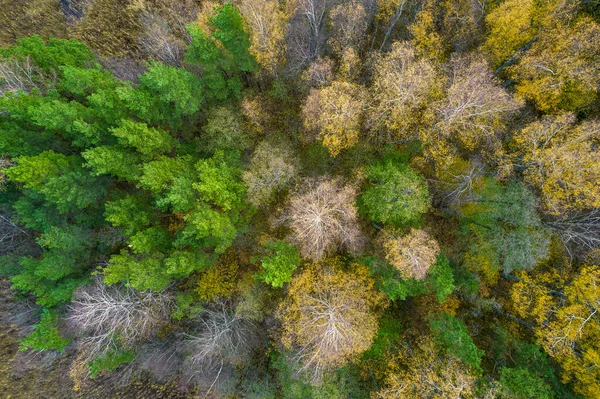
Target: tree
(506, 229)
(221, 49)
(452, 335)
(396, 194)
(558, 73)
(305, 34)
(439, 280)
(222, 337)
(561, 161)
(45, 335)
(348, 22)
(323, 218)
(520, 383)
(267, 30)
(425, 373)
(476, 108)
(116, 317)
(272, 168)
(567, 324)
(412, 254)
(329, 316)
(40, 17)
(279, 263)
(403, 89)
(223, 131)
(510, 27)
(333, 114)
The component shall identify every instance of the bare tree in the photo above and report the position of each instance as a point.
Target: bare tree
(11, 235)
(160, 41)
(322, 215)
(224, 337)
(109, 316)
(305, 35)
(21, 75)
(581, 230)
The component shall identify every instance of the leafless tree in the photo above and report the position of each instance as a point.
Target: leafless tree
(21, 75)
(581, 230)
(322, 215)
(456, 186)
(223, 341)
(305, 35)
(11, 235)
(111, 315)
(224, 337)
(159, 40)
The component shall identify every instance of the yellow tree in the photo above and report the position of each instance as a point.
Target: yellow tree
(476, 108)
(510, 27)
(403, 87)
(567, 323)
(330, 316)
(349, 22)
(560, 71)
(267, 30)
(426, 373)
(561, 160)
(412, 254)
(333, 114)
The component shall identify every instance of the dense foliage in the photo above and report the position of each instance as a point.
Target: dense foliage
(306, 199)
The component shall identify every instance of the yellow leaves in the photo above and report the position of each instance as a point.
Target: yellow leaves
(267, 24)
(510, 28)
(568, 323)
(412, 254)
(219, 280)
(427, 40)
(562, 162)
(330, 315)
(333, 115)
(560, 71)
(531, 299)
(425, 373)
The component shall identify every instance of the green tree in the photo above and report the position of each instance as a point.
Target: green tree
(222, 51)
(505, 229)
(396, 194)
(452, 335)
(45, 335)
(279, 263)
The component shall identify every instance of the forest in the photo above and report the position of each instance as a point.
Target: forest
(329, 199)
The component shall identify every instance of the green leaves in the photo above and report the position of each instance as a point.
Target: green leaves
(45, 336)
(506, 229)
(396, 194)
(439, 280)
(520, 383)
(146, 140)
(452, 335)
(278, 263)
(223, 53)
